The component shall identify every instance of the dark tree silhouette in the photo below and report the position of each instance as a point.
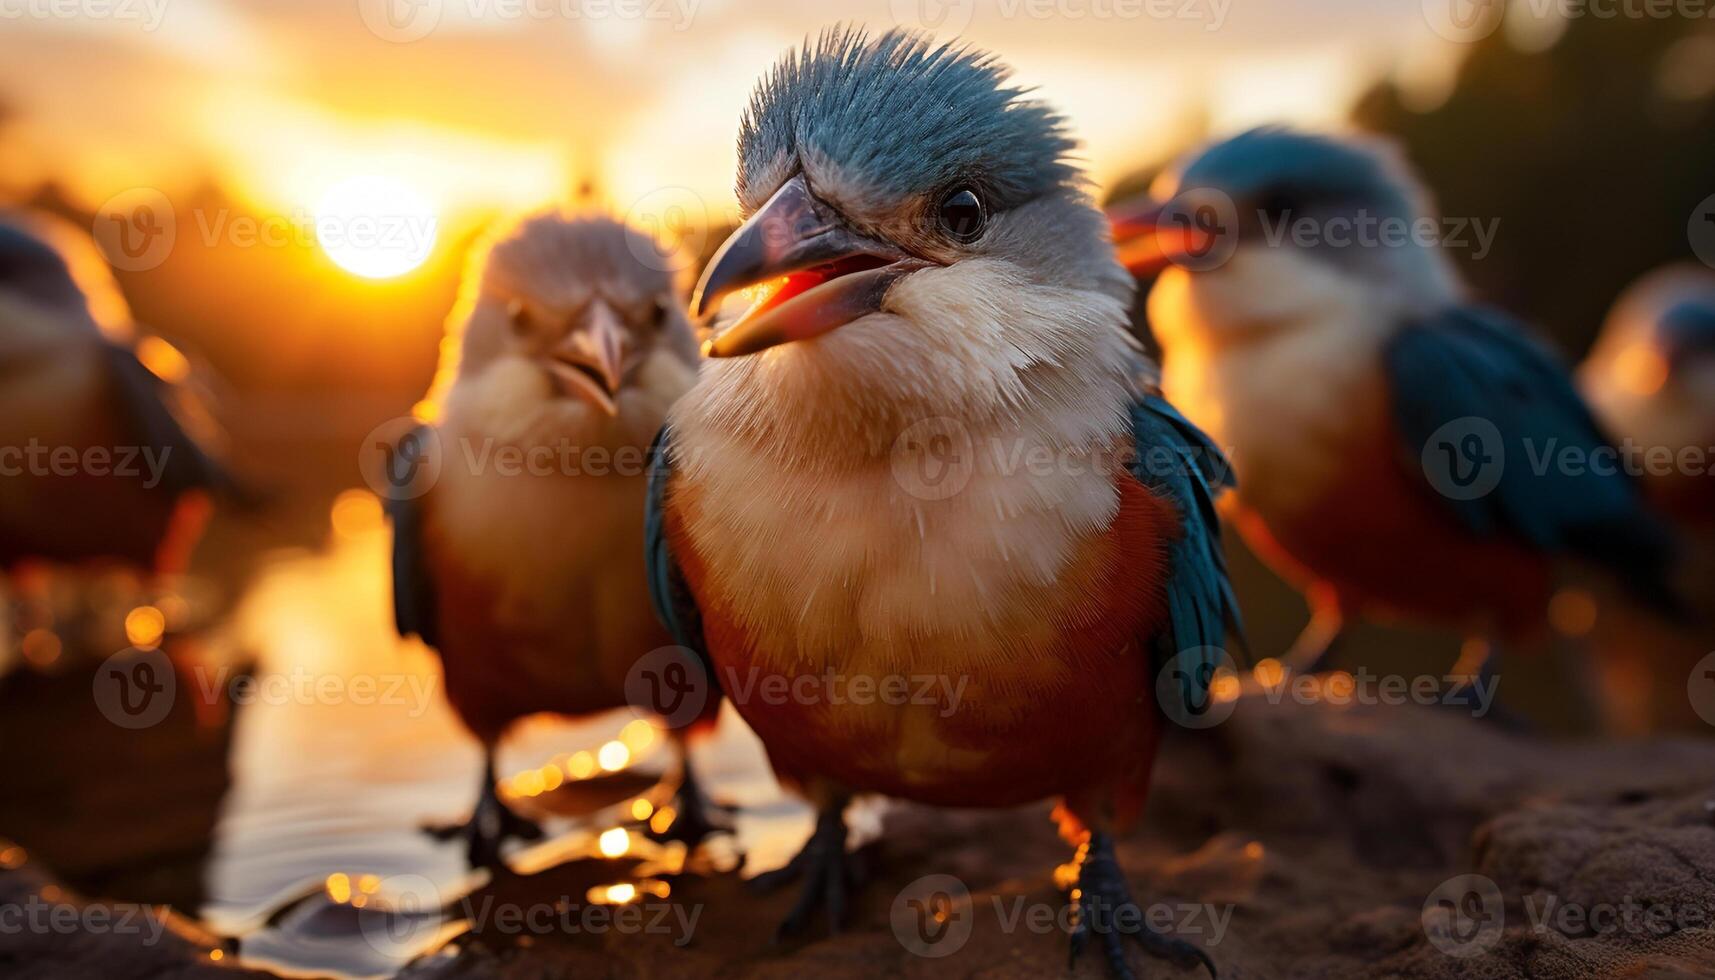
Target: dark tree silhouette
(1589, 153)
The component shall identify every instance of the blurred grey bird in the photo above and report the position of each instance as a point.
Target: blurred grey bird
(1651, 379)
(522, 565)
(102, 459)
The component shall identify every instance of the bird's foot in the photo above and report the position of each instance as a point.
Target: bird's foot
(489, 826)
(1464, 700)
(1476, 690)
(1315, 645)
(1105, 909)
(829, 875)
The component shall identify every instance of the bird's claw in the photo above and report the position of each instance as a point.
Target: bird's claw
(829, 877)
(1106, 909)
(489, 826)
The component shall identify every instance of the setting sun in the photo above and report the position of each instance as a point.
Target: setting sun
(376, 227)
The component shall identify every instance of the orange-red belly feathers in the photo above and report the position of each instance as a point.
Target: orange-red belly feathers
(1070, 712)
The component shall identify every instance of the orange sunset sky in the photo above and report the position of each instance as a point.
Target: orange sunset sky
(511, 103)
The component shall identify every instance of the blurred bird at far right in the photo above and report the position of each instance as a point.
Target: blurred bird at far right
(1651, 380)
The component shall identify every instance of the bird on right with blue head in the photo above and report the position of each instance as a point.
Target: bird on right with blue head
(1399, 447)
(1651, 379)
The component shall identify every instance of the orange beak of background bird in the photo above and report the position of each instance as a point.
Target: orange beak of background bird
(1148, 239)
(807, 272)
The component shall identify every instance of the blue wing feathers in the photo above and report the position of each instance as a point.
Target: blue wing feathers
(672, 598)
(1471, 363)
(141, 395)
(1177, 460)
(414, 601)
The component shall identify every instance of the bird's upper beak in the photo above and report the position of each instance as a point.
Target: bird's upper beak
(810, 270)
(1147, 242)
(588, 363)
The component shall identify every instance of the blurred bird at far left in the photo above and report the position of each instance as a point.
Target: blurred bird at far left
(99, 418)
(107, 445)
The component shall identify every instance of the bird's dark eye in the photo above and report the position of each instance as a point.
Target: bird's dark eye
(962, 215)
(518, 316)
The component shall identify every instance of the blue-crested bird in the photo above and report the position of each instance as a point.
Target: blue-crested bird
(567, 347)
(937, 300)
(1400, 449)
(1651, 379)
(98, 460)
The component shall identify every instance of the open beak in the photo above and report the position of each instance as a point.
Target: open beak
(1147, 243)
(588, 362)
(810, 273)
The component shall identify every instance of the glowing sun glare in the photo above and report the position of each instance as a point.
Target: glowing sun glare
(376, 227)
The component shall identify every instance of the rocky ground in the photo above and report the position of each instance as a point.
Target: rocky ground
(1292, 841)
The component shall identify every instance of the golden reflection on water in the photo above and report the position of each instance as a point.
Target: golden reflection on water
(330, 792)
